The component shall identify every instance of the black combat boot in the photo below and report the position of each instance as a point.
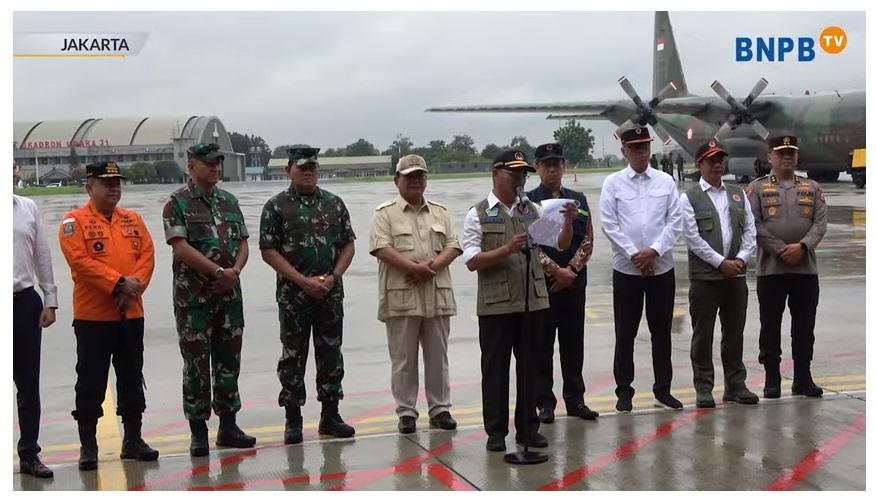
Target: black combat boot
(772, 388)
(230, 435)
(331, 423)
(292, 434)
(88, 440)
(200, 443)
(133, 446)
(803, 384)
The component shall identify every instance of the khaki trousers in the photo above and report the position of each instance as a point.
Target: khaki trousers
(404, 337)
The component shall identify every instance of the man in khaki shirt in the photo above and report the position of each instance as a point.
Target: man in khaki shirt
(414, 242)
(790, 214)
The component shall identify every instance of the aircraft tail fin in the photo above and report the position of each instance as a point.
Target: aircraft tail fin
(667, 64)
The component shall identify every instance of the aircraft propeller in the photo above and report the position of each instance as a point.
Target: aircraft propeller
(645, 111)
(740, 112)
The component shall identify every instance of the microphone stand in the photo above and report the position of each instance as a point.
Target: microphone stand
(526, 457)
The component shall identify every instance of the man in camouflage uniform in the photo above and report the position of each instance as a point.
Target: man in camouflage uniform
(790, 214)
(205, 227)
(306, 236)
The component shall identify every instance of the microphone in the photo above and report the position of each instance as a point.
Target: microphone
(518, 190)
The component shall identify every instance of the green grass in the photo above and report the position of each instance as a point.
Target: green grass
(49, 191)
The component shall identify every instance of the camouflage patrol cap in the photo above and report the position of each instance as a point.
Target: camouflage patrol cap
(105, 170)
(303, 155)
(409, 164)
(207, 153)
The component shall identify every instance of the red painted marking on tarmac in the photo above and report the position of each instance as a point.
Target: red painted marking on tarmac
(817, 457)
(360, 478)
(625, 450)
(203, 468)
(372, 413)
(161, 429)
(448, 478)
(410, 464)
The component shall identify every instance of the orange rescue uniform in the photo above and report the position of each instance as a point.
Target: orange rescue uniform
(99, 252)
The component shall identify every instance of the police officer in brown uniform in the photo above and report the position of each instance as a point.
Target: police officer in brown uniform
(791, 218)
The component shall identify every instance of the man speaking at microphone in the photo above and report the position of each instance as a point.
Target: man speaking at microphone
(494, 233)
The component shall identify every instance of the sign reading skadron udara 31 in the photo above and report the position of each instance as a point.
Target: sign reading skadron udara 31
(77, 45)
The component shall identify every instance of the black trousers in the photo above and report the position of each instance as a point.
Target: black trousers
(710, 299)
(26, 343)
(657, 294)
(98, 344)
(801, 294)
(564, 321)
(500, 335)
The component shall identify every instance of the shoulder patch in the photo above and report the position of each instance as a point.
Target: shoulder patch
(68, 227)
(385, 204)
(67, 220)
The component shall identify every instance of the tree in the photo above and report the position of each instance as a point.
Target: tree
(401, 146)
(492, 150)
(521, 143)
(167, 171)
(462, 143)
(335, 152)
(361, 147)
(577, 142)
(252, 146)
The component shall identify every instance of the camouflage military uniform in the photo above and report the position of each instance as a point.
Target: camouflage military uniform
(210, 325)
(309, 231)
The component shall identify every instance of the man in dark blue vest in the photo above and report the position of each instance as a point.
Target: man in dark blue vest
(566, 277)
(721, 238)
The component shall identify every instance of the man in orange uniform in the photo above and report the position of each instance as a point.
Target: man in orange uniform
(111, 258)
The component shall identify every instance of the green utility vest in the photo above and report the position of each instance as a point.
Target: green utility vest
(709, 225)
(500, 288)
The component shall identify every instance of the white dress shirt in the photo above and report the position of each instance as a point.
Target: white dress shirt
(640, 211)
(472, 234)
(32, 258)
(698, 245)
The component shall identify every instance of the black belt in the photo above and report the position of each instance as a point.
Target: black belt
(22, 291)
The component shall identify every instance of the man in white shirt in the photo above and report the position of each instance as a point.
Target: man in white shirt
(721, 238)
(641, 218)
(493, 235)
(31, 264)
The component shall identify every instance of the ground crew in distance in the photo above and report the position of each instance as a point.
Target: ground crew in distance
(566, 280)
(721, 238)
(790, 213)
(414, 241)
(306, 236)
(204, 225)
(493, 235)
(31, 264)
(111, 258)
(641, 218)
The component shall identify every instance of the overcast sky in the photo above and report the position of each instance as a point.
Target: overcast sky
(328, 79)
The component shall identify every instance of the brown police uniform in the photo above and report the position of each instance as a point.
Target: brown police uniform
(785, 212)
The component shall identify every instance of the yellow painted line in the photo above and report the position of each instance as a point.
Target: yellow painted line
(69, 55)
(110, 474)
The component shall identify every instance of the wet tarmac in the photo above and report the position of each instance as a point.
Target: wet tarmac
(790, 443)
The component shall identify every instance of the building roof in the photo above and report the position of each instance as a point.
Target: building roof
(337, 161)
(118, 131)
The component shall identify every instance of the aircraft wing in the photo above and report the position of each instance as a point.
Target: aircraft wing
(604, 108)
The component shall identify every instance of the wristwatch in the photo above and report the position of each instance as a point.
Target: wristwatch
(220, 271)
(119, 284)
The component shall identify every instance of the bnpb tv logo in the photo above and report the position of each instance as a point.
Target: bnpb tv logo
(833, 40)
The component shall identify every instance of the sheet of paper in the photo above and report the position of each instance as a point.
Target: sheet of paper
(546, 230)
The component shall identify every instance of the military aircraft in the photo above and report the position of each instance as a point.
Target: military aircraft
(829, 126)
